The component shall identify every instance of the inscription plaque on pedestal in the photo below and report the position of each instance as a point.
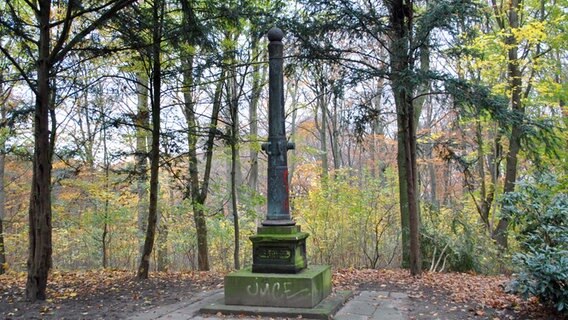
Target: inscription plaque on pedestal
(274, 253)
(279, 250)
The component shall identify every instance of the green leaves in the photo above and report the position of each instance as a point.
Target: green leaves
(539, 209)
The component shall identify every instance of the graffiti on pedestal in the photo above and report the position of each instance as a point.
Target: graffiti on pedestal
(275, 290)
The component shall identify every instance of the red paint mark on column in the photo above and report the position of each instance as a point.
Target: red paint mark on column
(287, 190)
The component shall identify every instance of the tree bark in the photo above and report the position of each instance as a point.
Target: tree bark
(234, 163)
(293, 94)
(40, 249)
(105, 236)
(559, 80)
(194, 190)
(257, 78)
(162, 261)
(401, 68)
(334, 135)
(142, 125)
(515, 85)
(158, 15)
(2, 190)
(322, 124)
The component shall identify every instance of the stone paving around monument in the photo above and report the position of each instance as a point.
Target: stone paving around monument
(366, 305)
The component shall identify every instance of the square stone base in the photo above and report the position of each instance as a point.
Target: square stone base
(301, 290)
(279, 249)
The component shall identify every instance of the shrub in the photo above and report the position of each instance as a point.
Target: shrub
(539, 209)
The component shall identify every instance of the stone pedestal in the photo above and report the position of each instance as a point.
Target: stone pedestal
(279, 250)
(301, 290)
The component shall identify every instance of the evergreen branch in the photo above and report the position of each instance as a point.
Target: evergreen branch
(20, 69)
(120, 4)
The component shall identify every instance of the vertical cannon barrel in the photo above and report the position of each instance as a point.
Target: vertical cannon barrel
(278, 194)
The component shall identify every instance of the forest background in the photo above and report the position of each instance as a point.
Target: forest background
(429, 135)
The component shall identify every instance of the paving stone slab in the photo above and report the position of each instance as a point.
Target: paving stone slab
(180, 310)
(324, 310)
(363, 308)
(375, 305)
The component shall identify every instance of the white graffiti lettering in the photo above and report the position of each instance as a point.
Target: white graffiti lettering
(276, 290)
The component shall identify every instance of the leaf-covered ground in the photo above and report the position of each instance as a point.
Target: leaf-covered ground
(116, 294)
(448, 295)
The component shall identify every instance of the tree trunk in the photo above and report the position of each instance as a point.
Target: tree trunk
(2, 198)
(234, 163)
(158, 14)
(3, 265)
(142, 124)
(163, 230)
(40, 249)
(515, 85)
(257, 78)
(2, 190)
(235, 168)
(197, 192)
(559, 80)
(377, 128)
(401, 66)
(334, 135)
(162, 247)
(233, 100)
(322, 125)
(105, 235)
(431, 167)
(194, 189)
(293, 94)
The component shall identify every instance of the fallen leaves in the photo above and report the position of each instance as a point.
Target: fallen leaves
(469, 292)
(100, 293)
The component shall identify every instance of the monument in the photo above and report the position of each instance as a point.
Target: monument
(280, 276)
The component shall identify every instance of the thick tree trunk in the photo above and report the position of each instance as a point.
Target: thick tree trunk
(40, 249)
(401, 66)
(144, 267)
